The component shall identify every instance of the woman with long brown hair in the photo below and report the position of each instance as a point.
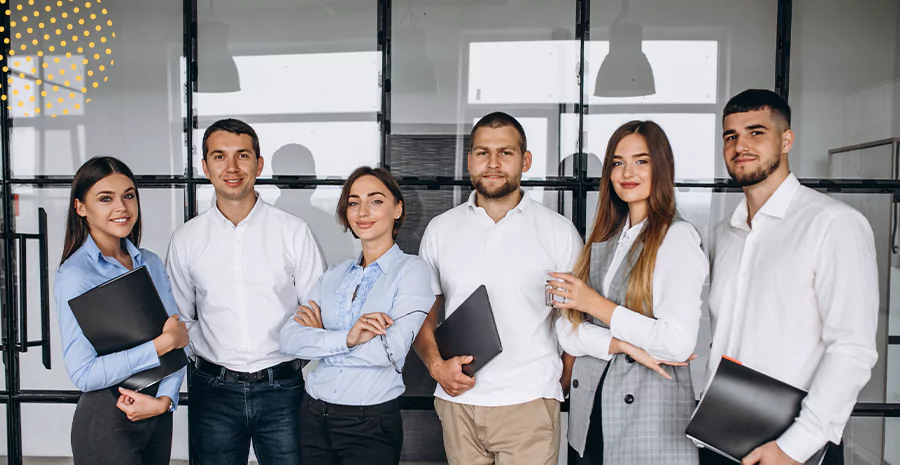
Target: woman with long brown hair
(103, 232)
(634, 296)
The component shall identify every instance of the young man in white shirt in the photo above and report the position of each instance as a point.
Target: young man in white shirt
(509, 412)
(794, 291)
(238, 272)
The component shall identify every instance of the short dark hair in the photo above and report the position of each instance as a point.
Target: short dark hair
(387, 179)
(498, 119)
(759, 99)
(234, 126)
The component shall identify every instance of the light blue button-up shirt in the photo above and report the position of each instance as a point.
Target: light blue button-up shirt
(84, 270)
(396, 284)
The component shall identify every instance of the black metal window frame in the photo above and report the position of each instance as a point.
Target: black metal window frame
(579, 184)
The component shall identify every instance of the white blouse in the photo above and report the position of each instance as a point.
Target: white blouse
(678, 277)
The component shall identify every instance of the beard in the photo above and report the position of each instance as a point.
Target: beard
(757, 176)
(508, 187)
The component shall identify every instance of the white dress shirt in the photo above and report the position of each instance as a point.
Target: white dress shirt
(466, 249)
(679, 273)
(796, 297)
(236, 286)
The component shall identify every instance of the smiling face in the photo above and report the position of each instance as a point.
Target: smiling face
(631, 174)
(371, 209)
(232, 165)
(496, 162)
(110, 207)
(756, 145)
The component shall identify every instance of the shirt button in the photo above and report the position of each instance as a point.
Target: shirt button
(335, 391)
(341, 371)
(629, 398)
(575, 384)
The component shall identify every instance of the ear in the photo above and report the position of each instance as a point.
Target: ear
(205, 168)
(260, 162)
(79, 208)
(526, 161)
(787, 141)
(398, 210)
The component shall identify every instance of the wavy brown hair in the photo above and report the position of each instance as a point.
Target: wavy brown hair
(612, 212)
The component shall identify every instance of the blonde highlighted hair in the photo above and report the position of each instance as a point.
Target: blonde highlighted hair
(612, 213)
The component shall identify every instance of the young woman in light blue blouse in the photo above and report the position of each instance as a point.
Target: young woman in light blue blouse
(103, 230)
(361, 320)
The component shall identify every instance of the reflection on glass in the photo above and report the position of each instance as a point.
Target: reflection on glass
(692, 137)
(326, 149)
(105, 75)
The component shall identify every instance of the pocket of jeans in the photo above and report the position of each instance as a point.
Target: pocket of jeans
(200, 380)
(294, 382)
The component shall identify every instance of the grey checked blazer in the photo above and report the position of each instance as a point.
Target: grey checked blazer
(644, 415)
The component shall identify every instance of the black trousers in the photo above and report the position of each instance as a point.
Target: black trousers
(834, 456)
(347, 435)
(593, 445)
(103, 435)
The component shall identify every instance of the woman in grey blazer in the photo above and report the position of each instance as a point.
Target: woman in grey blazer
(634, 296)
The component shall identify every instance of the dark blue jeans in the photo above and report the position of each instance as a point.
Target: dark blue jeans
(226, 415)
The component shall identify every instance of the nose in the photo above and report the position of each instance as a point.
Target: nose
(363, 209)
(741, 145)
(231, 164)
(629, 171)
(494, 161)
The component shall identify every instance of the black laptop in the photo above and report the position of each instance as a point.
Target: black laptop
(126, 312)
(470, 330)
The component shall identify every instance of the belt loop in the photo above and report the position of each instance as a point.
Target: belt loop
(221, 376)
(362, 413)
(271, 372)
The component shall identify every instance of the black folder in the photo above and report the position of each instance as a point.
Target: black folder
(470, 330)
(126, 312)
(743, 409)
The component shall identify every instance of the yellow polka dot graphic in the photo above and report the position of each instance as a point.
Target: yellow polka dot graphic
(48, 70)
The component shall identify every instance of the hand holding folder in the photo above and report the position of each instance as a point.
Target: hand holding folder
(743, 409)
(126, 312)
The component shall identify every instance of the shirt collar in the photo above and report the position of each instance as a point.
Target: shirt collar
(259, 205)
(91, 249)
(521, 207)
(629, 234)
(384, 262)
(776, 207)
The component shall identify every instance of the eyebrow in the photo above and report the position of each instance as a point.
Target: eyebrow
(481, 147)
(130, 189)
(749, 128)
(635, 155)
(370, 194)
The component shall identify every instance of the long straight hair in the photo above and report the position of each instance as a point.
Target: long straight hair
(92, 171)
(612, 212)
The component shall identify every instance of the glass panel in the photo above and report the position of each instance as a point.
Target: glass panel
(163, 211)
(453, 62)
(677, 68)
(847, 98)
(321, 149)
(97, 80)
(312, 99)
(868, 163)
(692, 136)
(863, 439)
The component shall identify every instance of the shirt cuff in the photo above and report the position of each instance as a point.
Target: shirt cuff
(336, 342)
(143, 357)
(599, 343)
(799, 444)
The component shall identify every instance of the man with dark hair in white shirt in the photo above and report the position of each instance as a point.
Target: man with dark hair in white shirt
(500, 238)
(238, 272)
(794, 290)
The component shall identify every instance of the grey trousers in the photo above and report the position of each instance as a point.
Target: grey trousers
(103, 435)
